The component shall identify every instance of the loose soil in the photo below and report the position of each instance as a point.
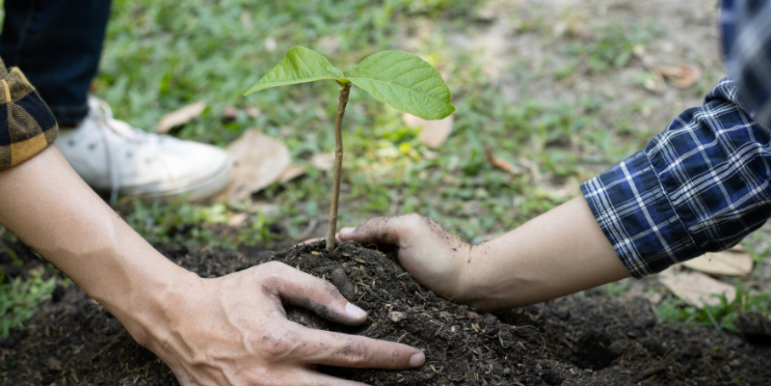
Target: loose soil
(585, 339)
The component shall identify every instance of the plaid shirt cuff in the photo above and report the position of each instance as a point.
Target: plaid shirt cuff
(636, 216)
(27, 126)
(700, 186)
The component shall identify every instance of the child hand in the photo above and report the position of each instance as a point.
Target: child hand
(435, 257)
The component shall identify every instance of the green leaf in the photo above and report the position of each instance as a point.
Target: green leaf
(299, 65)
(405, 82)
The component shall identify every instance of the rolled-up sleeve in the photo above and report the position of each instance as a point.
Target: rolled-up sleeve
(700, 186)
(27, 126)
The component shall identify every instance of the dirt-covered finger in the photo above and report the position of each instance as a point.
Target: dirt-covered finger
(335, 349)
(381, 230)
(319, 296)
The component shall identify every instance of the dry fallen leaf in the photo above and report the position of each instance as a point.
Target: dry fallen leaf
(259, 162)
(682, 76)
(696, 288)
(229, 114)
(238, 219)
(323, 161)
(292, 172)
(733, 262)
(180, 117)
(655, 297)
(502, 164)
(262, 207)
(253, 112)
(429, 155)
(434, 133)
(654, 82)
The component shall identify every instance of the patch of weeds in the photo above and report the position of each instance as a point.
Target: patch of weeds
(434, 8)
(613, 46)
(722, 316)
(566, 70)
(19, 298)
(195, 225)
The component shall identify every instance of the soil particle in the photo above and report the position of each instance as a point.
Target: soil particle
(53, 364)
(396, 316)
(576, 340)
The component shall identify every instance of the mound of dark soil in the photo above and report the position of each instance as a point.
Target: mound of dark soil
(577, 340)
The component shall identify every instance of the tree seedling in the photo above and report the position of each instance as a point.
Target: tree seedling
(399, 79)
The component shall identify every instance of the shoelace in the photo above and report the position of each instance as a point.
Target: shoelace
(101, 112)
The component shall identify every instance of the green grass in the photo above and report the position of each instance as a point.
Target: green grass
(19, 299)
(722, 316)
(613, 46)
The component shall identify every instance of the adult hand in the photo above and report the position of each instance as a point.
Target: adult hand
(434, 256)
(233, 330)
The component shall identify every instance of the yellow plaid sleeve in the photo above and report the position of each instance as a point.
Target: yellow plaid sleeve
(26, 124)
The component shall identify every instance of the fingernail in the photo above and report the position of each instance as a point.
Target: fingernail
(346, 231)
(417, 360)
(355, 312)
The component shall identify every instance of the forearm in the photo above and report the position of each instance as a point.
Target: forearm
(47, 205)
(558, 253)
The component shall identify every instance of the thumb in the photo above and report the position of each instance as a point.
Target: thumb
(382, 230)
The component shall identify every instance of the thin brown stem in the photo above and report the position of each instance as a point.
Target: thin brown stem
(345, 89)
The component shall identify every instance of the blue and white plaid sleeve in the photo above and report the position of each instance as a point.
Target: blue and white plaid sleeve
(700, 186)
(704, 183)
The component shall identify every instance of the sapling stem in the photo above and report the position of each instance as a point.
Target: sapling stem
(345, 89)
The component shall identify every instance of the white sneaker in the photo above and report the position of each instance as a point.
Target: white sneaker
(110, 155)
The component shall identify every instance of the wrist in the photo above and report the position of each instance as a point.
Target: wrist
(467, 285)
(487, 279)
(143, 307)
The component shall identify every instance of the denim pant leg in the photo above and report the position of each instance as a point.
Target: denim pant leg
(57, 44)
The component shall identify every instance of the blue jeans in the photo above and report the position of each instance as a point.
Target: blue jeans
(57, 44)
